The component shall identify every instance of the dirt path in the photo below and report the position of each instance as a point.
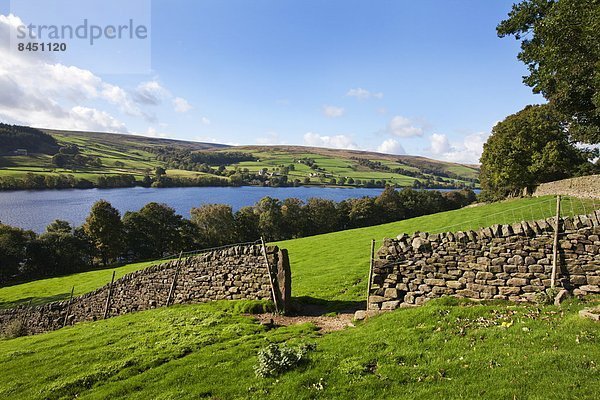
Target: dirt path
(326, 322)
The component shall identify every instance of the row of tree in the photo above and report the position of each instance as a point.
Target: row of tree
(156, 230)
(541, 143)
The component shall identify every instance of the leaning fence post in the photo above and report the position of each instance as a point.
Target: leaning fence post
(68, 307)
(172, 289)
(264, 251)
(109, 295)
(369, 282)
(555, 246)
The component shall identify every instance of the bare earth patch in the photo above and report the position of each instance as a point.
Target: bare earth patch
(323, 322)
(313, 313)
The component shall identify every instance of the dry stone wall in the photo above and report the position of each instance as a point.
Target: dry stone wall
(237, 272)
(583, 186)
(509, 262)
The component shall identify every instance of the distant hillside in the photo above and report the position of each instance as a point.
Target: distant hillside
(15, 138)
(96, 159)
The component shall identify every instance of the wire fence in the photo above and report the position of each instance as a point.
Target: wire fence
(535, 209)
(193, 253)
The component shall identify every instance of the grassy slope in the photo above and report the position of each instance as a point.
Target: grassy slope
(132, 152)
(112, 149)
(333, 266)
(55, 289)
(338, 165)
(445, 349)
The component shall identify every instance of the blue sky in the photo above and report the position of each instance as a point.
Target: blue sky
(417, 77)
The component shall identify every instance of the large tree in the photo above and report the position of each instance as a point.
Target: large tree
(295, 222)
(322, 216)
(153, 231)
(105, 229)
(270, 220)
(215, 223)
(13, 250)
(559, 45)
(528, 148)
(391, 204)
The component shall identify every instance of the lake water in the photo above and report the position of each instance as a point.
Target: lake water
(34, 210)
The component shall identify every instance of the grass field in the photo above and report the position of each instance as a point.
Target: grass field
(331, 267)
(128, 154)
(56, 289)
(444, 350)
(335, 167)
(447, 349)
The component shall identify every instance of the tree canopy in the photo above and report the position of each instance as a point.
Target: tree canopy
(13, 137)
(528, 148)
(560, 46)
(104, 227)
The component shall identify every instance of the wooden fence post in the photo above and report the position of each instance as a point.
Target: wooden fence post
(172, 289)
(369, 282)
(68, 307)
(273, 293)
(555, 246)
(112, 281)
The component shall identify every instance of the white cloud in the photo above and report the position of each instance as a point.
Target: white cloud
(152, 132)
(205, 139)
(439, 144)
(333, 111)
(150, 93)
(403, 127)
(363, 94)
(468, 151)
(269, 138)
(391, 146)
(336, 142)
(116, 95)
(93, 119)
(36, 90)
(205, 121)
(181, 105)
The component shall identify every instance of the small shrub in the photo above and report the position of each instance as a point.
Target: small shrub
(276, 359)
(246, 306)
(255, 307)
(15, 328)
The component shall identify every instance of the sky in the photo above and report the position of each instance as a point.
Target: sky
(427, 77)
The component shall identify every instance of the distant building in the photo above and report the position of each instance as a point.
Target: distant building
(21, 152)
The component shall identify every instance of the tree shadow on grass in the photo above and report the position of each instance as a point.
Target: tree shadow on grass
(34, 301)
(312, 306)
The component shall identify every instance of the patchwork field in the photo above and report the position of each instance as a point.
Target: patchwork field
(136, 155)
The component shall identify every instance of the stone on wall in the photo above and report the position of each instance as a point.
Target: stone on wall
(509, 262)
(237, 272)
(583, 187)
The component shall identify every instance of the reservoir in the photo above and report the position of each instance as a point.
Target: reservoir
(35, 209)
